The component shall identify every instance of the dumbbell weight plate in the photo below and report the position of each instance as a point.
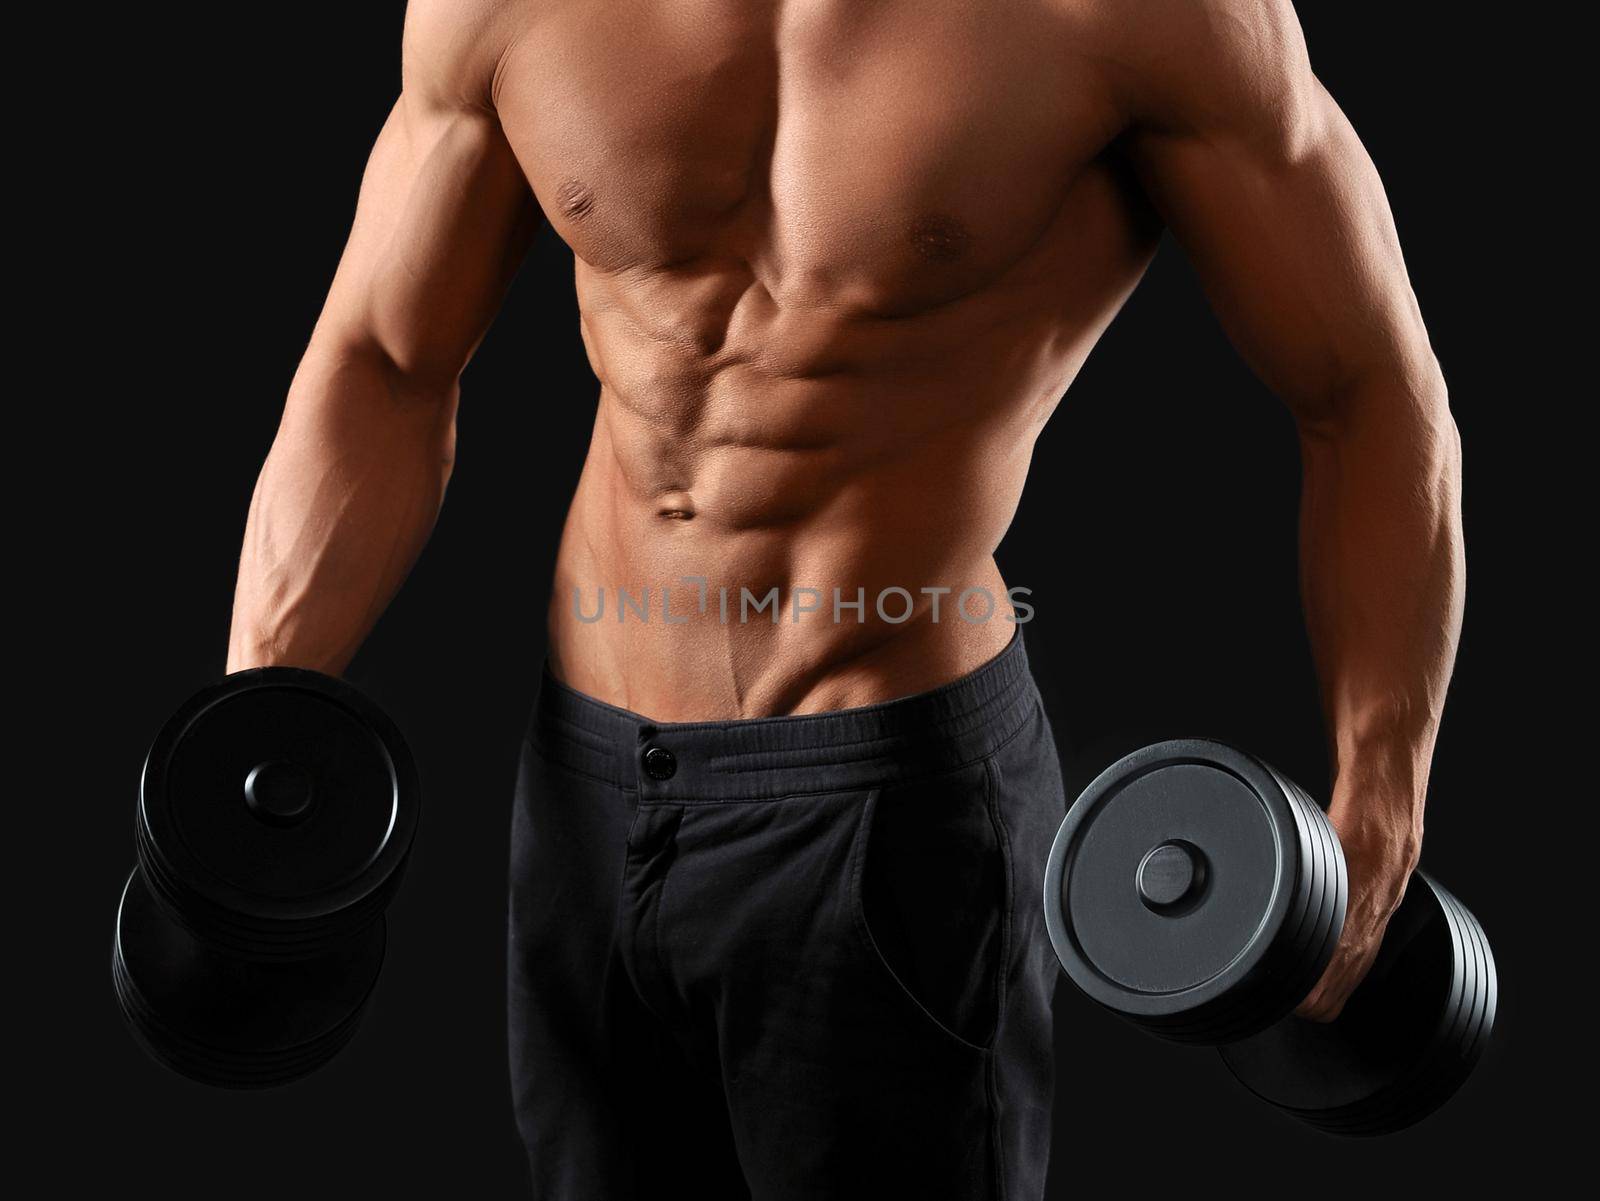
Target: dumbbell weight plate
(1405, 1098)
(1407, 1039)
(1247, 1009)
(1449, 1059)
(276, 810)
(234, 1022)
(1316, 938)
(1336, 895)
(1248, 901)
(1430, 1081)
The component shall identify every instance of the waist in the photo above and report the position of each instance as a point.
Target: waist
(689, 636)
(937, 730)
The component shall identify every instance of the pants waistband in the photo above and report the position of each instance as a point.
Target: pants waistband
(944, 728)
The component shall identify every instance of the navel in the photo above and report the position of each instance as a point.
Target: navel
(675, 504)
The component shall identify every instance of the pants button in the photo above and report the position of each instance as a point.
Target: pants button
(659, 763)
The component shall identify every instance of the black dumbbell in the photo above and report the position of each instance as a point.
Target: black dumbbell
(275, 817)
(1198, 893)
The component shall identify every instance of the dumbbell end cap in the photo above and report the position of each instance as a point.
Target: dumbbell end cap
(1171, 874)
(279, 793)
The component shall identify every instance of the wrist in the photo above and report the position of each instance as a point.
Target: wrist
(1387, 759)
(1379, 820)
(245, 654)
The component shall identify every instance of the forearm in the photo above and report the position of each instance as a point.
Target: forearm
(1383, 576)
(345, 501)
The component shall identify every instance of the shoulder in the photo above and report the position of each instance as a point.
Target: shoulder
(452, 49)
(1183, 66)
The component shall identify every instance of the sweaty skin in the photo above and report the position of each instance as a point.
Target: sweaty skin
(836, 265)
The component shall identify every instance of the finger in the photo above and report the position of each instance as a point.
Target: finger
(1345, 973)
(1332, 1006)
(1326, 999)
(1318, 1011)
(1314, 1007)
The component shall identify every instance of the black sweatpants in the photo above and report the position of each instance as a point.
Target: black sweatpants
(786, 958)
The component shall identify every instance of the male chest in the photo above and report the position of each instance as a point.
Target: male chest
(889, 151)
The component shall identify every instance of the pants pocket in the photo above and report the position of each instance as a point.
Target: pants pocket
(929, 889)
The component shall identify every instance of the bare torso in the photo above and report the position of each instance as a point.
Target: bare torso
(836, 264)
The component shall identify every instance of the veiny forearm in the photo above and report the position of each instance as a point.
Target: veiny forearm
(1383, 577)
(346, 499)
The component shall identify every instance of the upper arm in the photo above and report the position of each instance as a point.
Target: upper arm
(1264, 182)
(444, 214)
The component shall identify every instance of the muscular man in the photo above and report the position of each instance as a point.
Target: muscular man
(775, 923)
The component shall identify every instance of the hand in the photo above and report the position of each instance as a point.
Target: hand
(1381, 842)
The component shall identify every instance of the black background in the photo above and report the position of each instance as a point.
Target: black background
(1157, 533)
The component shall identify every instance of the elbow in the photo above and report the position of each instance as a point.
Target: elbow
(408, 378)
(1437, 430)
(1450, 441)
(351, 392)
(1393, 419)
(1404, 400)
(416, 377)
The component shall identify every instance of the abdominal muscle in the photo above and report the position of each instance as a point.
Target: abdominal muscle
(686, 618)
(764, 425)
(736, 491)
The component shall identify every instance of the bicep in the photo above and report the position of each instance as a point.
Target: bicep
(1289, 229)
(443, 219)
